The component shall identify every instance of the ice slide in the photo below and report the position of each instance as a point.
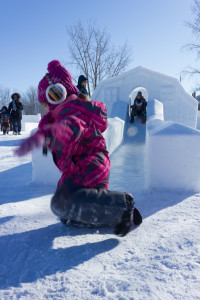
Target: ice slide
(129, 157)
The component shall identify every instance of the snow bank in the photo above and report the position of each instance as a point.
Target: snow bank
(44, 170)
(30, 122)
(31, 118)
(155, 115)
(179, 106)
(173, 160)
(198, 119)
(28, 126)
(114, 133)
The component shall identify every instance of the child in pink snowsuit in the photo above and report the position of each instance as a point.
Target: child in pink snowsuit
(72, 131)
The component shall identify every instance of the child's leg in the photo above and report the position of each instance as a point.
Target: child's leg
(4, 127)
(90, 205)
(7, 127)
(132, 114)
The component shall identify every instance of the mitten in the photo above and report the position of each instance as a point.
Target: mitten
(33, 142)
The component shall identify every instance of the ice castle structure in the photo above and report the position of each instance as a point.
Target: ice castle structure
(172, 158)
(178, 105)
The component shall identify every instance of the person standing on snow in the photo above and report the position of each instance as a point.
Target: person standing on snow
(15, 109)
(72, 130)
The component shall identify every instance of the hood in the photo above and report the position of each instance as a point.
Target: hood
(81, 79)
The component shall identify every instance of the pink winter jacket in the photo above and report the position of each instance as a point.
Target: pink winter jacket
(74, 133)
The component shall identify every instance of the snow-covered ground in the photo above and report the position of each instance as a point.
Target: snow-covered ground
(42, 259)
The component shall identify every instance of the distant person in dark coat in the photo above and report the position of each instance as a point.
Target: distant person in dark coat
(82, 81)
(15, 109)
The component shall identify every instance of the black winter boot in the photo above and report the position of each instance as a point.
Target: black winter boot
(129, 218)
(137, 218)
(125, 225)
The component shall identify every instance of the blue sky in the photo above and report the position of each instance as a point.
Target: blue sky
(33, 32)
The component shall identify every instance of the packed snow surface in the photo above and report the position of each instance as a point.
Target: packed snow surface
(40, 258)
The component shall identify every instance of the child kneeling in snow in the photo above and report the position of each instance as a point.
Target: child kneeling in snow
(72, 130)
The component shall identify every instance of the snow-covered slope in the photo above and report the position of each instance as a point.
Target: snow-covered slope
(42, 259)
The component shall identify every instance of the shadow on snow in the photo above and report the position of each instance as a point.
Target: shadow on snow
(29, 256)
(9, 143)
(16, 185)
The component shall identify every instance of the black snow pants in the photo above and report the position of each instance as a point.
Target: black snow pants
(93, 206)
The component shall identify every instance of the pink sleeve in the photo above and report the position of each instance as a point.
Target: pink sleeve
(60, 135)
(57, 136)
